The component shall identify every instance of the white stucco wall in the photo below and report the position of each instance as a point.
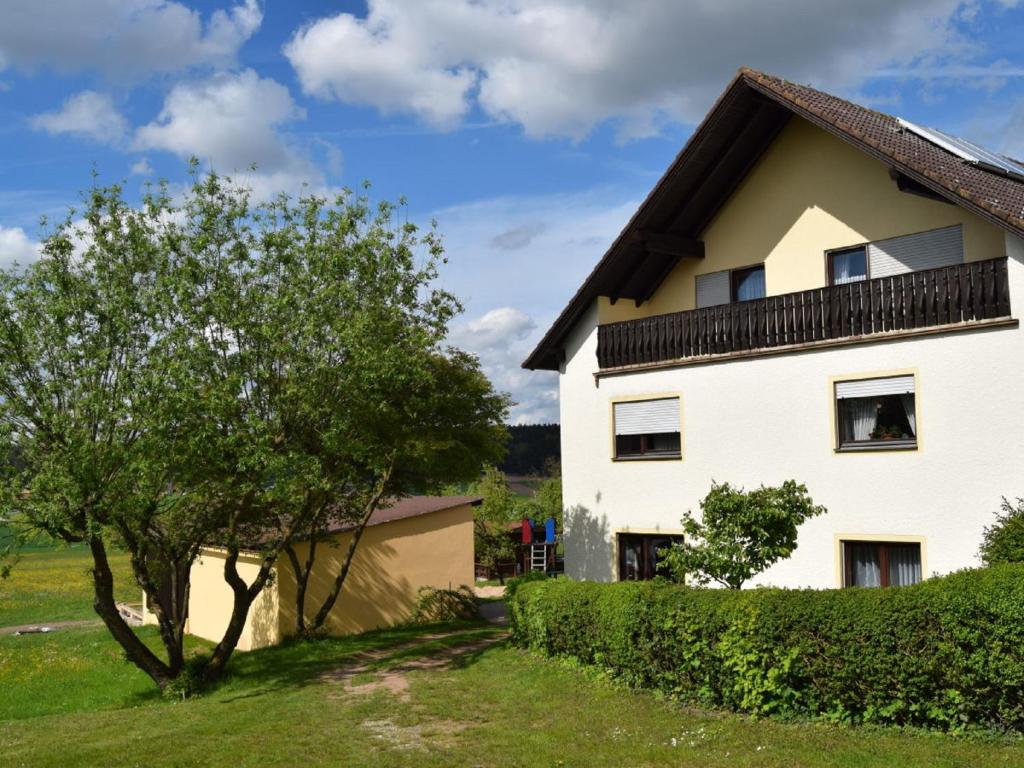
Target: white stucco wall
(768, 419)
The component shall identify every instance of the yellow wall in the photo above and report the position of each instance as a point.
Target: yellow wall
(392, 562)
(210, 601)
(809, 193)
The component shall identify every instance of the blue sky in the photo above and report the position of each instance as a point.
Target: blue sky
(529, 129)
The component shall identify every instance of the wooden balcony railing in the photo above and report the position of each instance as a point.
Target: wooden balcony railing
(962, 293)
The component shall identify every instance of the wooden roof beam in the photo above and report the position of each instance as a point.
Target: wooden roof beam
(738, 157)
(670, 244)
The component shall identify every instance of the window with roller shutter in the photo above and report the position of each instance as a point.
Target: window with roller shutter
(647, 428)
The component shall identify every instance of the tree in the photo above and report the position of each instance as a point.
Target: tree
(740, 533)
(315, 335)
(217, 372)
(81, 358)
(444, 424)
(1003, 541)
(492, 541)
(547, 501)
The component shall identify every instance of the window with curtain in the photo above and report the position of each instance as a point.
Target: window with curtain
(748, 283)
(848, 266)
(647, 429)
(881, 564)
(874, 414)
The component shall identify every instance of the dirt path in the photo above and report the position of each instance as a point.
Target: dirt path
(51, 626)
(394, 679)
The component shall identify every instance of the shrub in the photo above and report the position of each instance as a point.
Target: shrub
(947, 653)
(1003, 541)
(444, 604)
(740, 533)
(514, 583)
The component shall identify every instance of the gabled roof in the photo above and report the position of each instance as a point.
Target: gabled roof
(741, 125)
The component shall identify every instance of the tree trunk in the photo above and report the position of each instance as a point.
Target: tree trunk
(357, 534)
(163, 604)
(106, 607)
(301, 582)
(163, 598)
(243, 597)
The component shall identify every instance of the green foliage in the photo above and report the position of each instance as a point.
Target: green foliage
(434, 605)
(547, 501)
(947, 653)
(513, 584)
(492, 541)
(204, 368)
(740, 533)
(191, 680)
(1003, 541)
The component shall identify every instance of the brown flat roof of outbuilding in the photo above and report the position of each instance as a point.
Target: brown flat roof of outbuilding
(412, 506)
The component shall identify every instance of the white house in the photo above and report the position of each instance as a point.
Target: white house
(816, 291)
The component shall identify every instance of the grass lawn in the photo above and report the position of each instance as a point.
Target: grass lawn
(50, 584)
(70, 699)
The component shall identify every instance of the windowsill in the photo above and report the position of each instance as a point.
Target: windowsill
(650, 457)
(878, 445)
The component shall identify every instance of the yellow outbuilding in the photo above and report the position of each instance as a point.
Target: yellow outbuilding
(419, 541)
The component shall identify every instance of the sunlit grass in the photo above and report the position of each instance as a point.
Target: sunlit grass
(55, 585)
(70, 699)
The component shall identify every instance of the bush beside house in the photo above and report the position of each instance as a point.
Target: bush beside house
(947, 653)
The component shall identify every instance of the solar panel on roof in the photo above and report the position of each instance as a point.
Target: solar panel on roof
(967, 150)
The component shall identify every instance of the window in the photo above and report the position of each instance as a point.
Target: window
(880, 564)
(640, 555)
(722, 287)
(647, 429)
(923, 250)
(875, 414)
(848, 266)
(713, 289)
(748, 283)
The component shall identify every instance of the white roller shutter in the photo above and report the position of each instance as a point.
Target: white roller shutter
(647, 417)
(713, 289)
(893, 385)
(909, 253)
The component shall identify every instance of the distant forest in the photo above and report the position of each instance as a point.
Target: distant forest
(532, 446)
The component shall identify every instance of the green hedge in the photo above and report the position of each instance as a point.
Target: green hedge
(947, 653)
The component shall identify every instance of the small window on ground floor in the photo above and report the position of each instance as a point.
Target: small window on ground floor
(647, 429)
(881, 564)
(875, 414)
(641, 554)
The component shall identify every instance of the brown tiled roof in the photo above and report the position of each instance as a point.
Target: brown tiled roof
(724, 147)
(999, 195)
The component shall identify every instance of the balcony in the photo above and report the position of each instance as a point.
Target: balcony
(909, 303)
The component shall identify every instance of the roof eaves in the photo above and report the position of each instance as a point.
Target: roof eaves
(546, 349)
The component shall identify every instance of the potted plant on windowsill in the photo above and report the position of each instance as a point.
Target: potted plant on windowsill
(886, 433)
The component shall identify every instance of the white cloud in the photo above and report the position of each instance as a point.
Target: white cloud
(232, 121)
(87, 114)
(141, 167)
(498, 327)
(513, 296)
(123, 39)
(558, 67)
(16, 247)
(500, 338)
